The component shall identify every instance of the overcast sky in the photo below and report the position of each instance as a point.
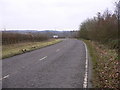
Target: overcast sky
(49, 14)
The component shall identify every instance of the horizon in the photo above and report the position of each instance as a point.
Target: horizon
(34, 30)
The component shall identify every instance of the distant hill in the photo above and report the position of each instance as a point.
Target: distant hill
(49, 33)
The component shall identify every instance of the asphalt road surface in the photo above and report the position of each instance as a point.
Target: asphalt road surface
(58, 66)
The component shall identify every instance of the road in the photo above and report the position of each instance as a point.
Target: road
(58, 66)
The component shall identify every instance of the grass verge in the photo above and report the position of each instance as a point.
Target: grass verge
(105, 65)
(15, 49)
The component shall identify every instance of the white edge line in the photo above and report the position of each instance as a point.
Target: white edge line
(85, 83)
(4, 77)
(43, 58)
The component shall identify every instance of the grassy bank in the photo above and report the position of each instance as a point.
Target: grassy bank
(15, 49)
(105, 65)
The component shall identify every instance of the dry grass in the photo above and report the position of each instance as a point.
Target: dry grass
(14, 49)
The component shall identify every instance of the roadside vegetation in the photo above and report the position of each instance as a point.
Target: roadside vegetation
(102, 37)
(17, 43)
(105, 65)
(19, 48)
(103, 29)
(13, 38)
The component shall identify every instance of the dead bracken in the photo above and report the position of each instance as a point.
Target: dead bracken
(107, 67)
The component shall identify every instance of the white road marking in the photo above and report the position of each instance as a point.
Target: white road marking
(57, 50)
(4, 77)
(85, 83)
(43, 58)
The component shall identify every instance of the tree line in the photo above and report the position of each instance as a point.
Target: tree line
(12, 38)
(103, 28)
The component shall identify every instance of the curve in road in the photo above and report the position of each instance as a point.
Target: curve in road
(58, 66)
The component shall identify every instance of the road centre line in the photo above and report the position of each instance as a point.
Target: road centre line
(43, 58)
(57, 50)
(4, 77)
